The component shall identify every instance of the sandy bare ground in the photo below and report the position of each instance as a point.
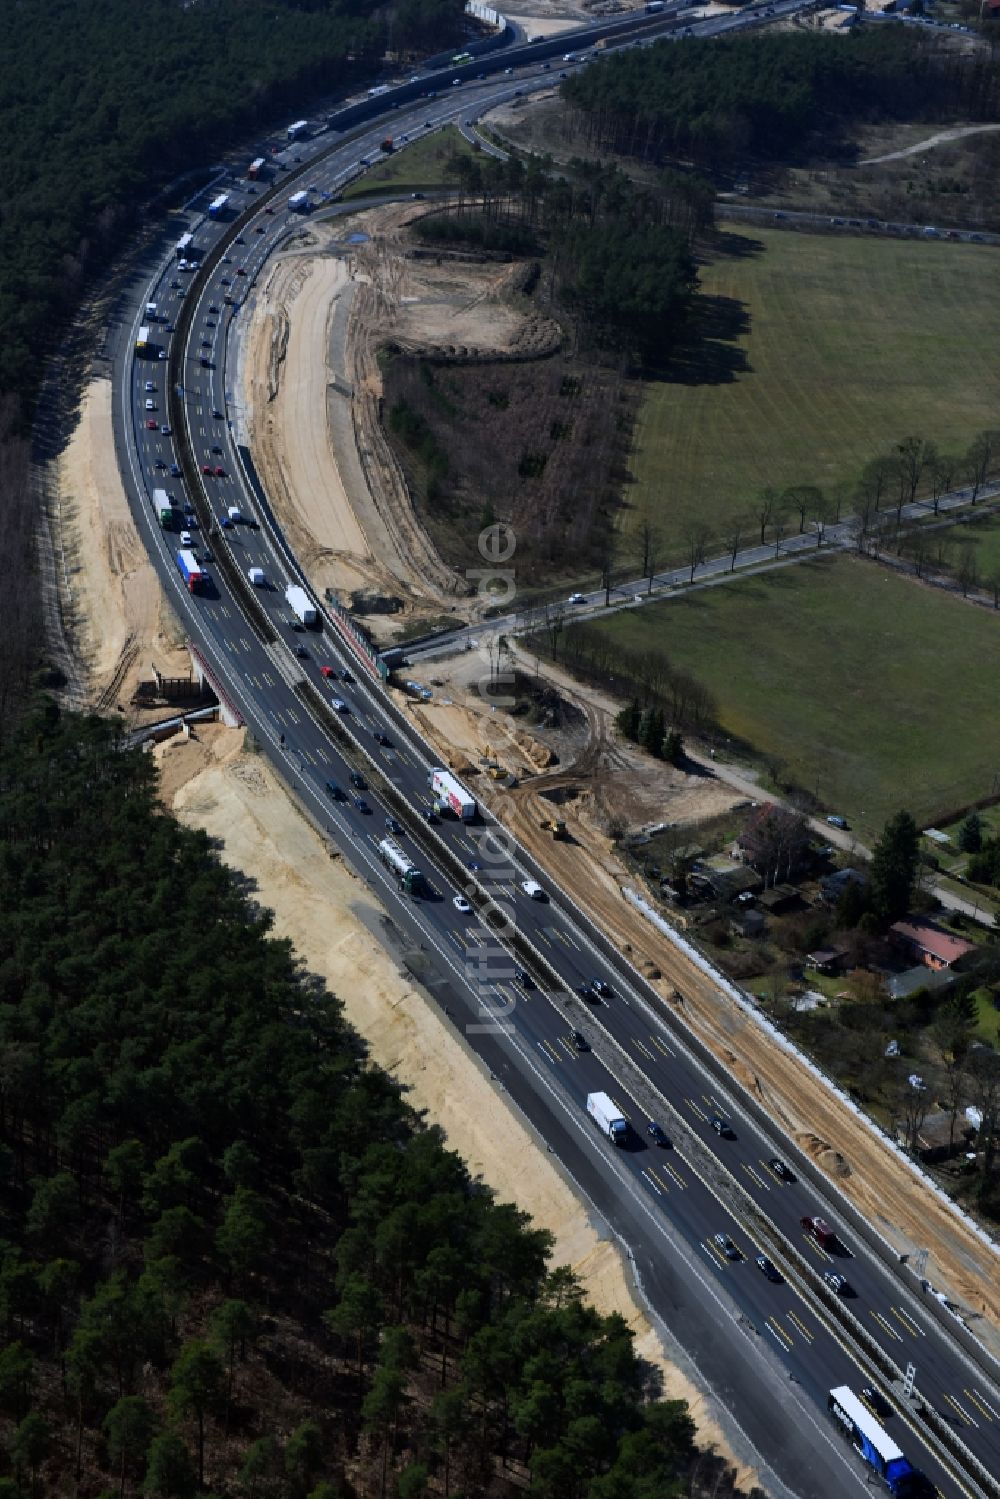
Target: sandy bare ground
(119, 620)
(313, 393)
(606, 778)
(345, 936)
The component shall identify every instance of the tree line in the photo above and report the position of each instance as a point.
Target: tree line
(617, 255)
(773, 94)
(232, 1257)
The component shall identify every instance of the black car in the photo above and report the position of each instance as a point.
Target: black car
(335, 791)
(584, 991)
(523, 977)
(296, 624)
(345, 676)
(783, 1172)
(217, 414)
(361, 805)
(580, 1041)
(392, 826)
(658, 1134)
(430, 815)
(358, 781)
(302, 653)
(600, 987)
(382, 738)
(766, 1268)
(722, 1127)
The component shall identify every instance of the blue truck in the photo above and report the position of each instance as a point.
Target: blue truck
(876, 1446)
(190, 571)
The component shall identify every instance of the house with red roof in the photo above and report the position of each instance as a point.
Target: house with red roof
(928, 943)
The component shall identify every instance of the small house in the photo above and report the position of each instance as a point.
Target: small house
(747, 923)
(829, 960)
(928, 943)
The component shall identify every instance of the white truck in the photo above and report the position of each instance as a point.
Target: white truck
(218, 206)
(450, 792)
(299, 202)
(298, 601)
(298, 129)
(256, 576)
(608, 1119)
(402, 866)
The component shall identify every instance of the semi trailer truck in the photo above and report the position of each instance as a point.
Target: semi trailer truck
(190, 571)
(393, 857)
(163, 506)
(449, 792)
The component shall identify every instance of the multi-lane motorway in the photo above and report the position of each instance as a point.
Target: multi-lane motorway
(769, 1349)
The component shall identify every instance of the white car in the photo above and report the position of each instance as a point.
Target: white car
(150, 404)
(150, 385)
(461, 904)
(578, 598)
(533, 888)
(185, 538)
(338, 704)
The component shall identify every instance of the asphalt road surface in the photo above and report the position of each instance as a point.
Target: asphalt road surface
(769, 1349)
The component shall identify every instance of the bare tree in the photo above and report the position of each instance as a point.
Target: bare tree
(978, 460)
(696, 536)
(913, 453)
(555, 623)
(876, 477)
(804, 500)
(942, 471)
(984, 1071)
(918, 551)
(734, 538)
(649, 538)
(967, 570)
(767, 506)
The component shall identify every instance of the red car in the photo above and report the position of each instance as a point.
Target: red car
(151, 425)
(219, 471)
(327, 671)
(206, 468)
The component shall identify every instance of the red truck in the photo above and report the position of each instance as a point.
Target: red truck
(820, 1230)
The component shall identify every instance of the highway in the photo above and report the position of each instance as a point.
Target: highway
(762, 1346)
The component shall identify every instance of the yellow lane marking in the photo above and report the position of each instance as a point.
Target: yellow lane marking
(675, 1174)
(885, 1325)
(978, 1403)
(907, 1322)
(801, 1325)
(963, 1415)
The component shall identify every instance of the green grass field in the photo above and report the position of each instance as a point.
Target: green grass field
(851, 344)
(870, 692)
(412, 168)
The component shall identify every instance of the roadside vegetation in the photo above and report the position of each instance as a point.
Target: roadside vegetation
(102, 105)
(844, 683)
(809, 934)
(418, 166)
(773, 94)
(232, 1259)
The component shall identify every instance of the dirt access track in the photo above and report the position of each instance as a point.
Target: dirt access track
(458, 309)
